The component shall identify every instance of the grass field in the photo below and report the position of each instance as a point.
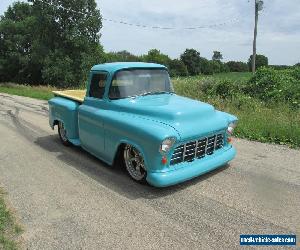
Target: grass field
(8, 228)
(265, 122)
(38, 92)
(232, 76)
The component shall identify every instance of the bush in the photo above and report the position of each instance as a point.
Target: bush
(296, 73)
(280, 67)
(224, 89)
(272, 85)
(261, 121)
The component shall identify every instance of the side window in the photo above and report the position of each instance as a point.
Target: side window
(97, 87)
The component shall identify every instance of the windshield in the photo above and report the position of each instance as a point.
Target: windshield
(137, 82)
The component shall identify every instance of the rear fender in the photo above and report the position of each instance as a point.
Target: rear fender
(65, 111)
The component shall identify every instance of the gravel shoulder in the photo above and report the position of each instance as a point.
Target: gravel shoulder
(67, 199)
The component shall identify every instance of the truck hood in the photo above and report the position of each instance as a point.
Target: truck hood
(189, 117)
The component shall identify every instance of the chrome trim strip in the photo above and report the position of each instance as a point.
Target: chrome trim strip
(205, 150)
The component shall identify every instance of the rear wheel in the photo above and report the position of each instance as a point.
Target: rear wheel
(63, 134)
(134, 163)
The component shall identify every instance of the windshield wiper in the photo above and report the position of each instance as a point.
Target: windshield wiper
(156, 93)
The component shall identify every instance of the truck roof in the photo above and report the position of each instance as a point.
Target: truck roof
(112, 67)
(78, 95)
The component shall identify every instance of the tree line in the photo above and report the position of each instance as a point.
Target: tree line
(190, 62)
(57, 44)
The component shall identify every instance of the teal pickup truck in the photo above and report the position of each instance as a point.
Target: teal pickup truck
(130, 112)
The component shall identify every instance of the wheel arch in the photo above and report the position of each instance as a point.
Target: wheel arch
(55, 123)
(120, 147)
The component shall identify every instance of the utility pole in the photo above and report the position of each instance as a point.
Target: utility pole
(258, 7)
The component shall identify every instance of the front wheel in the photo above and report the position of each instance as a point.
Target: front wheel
(63, 134)
(135, 164)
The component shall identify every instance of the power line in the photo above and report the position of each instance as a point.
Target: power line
(172, 28)
(234, 20)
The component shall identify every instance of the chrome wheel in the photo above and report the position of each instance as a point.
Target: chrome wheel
(134, 163)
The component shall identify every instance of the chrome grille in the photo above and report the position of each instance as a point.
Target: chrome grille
(197, 149)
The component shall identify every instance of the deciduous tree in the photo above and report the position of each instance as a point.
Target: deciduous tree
(121, 56)
(191, 58)
(155, 56)
(50, 41)
(217, 56)
(177, 68)
(260, 61)
(237, 66)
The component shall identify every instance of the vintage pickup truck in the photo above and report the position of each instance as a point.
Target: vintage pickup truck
(130, 113)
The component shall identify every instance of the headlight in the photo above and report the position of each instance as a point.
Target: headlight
(166, 145)
(231, 127)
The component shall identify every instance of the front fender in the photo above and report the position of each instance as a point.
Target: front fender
(144, 134)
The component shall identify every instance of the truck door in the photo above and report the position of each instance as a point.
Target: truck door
(90, 116)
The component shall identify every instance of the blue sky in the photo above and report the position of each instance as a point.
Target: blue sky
(278, 36)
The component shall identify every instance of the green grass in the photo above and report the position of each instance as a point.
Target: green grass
(9, 230)
(232, 76)
(276, 124)
(38, 92)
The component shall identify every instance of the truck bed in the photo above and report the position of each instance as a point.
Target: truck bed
(76, 95)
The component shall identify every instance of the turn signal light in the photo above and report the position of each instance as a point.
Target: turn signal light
(164, 160)
(229, 139)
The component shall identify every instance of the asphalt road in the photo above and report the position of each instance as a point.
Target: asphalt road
(67, 199)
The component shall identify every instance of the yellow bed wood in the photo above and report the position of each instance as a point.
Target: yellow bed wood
(76, 95)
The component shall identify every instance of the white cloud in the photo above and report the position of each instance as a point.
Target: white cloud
(278, 37)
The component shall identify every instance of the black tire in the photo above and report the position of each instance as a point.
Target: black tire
(134, 164)
(62, 132)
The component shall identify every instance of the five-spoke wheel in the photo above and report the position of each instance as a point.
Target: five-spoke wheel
(134, 163)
